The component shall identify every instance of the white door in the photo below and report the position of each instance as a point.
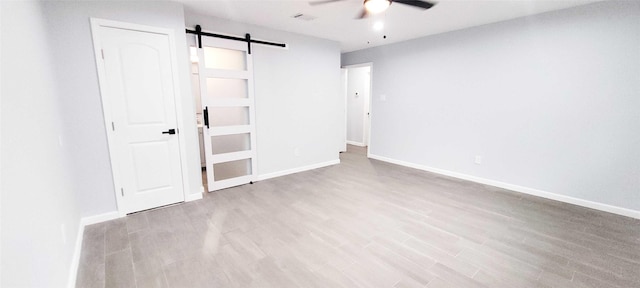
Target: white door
(226, 83)
(137, 83)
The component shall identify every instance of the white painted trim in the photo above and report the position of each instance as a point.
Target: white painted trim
(368, 123)
(96, 23)
(231, 182)
(344, 74)
(194, 196)
(228, 130)
(232, 156)
(86, 221)
(75, 260)
(356, 143)
(366, 64)
(526, 190)
(297, 170)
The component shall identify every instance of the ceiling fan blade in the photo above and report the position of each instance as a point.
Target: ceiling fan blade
(314, 3)
(363, 14)
(416, 3)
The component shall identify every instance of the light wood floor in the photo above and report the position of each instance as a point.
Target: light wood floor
(364, 223)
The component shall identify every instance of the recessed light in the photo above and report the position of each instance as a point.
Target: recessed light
(378, 26)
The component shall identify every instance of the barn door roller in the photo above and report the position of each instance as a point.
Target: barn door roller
(247, 38)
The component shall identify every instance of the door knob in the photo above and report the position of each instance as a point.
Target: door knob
(170, 131)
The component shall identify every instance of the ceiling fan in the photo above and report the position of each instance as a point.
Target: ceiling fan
(377, 6)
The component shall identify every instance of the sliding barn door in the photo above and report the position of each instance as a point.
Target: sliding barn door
(226, 83)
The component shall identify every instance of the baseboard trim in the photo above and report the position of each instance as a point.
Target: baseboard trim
(75, 260)
(526, 190)
(356, 143)
(297, 170)
(194, 196)
(85, 221)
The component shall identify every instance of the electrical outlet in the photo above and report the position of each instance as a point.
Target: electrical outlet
(60, 142)
(383, 97)
(478, 159)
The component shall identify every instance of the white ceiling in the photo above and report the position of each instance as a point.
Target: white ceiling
(336, 21)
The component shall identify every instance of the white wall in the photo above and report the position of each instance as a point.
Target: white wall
(551, 102)
(40, 212)
(299, 104)
(55, 161)
(358, 86)
(72, 55)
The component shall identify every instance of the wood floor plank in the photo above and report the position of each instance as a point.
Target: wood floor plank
(364, 223)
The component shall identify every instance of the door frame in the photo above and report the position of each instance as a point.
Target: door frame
(96, 24)
(367, 124)
(344, 79)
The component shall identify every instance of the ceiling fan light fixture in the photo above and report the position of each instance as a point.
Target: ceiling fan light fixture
(376, 6)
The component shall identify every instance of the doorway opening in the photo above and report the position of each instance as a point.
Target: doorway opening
(195, 90)
(357, 89)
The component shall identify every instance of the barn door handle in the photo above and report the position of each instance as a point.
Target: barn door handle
(205, 115)
(170, 131)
